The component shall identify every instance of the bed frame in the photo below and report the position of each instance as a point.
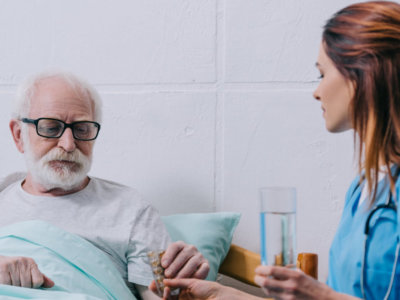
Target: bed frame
(240, 264)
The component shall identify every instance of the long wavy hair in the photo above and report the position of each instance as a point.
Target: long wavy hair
(363, 41)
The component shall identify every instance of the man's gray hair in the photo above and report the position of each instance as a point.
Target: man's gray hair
(27, 90)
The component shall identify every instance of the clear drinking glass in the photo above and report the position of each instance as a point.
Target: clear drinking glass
(278, 226)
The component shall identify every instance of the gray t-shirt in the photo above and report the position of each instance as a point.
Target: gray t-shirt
(111, 216)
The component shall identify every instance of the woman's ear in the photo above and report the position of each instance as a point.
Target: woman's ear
(16, 132)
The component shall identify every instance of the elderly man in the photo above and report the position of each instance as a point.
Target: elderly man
(55, 123)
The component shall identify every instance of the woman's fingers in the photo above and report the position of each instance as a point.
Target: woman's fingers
(183, 283)
(281, 273)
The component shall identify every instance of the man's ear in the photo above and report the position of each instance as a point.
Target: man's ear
(16, 132)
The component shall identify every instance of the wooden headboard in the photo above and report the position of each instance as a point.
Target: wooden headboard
(240, 264)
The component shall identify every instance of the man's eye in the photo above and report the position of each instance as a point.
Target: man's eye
(321, 76)
(50, 130)
(82, 129)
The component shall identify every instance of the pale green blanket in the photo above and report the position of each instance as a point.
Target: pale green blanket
(79, 269)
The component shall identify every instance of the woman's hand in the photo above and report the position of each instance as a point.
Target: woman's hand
(192, 289)
(287, 284)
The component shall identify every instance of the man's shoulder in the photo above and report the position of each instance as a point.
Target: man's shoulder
(10, 179)
(115, 190)
(110, 184)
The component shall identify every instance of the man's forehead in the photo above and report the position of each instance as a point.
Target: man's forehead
(54, 85)
(54, 94)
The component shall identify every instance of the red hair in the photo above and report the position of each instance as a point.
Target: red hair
(363, 41)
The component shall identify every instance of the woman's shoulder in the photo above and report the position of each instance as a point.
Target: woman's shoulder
(353, 190)
(355, 184)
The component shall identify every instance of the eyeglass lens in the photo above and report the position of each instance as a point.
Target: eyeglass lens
(54, 128)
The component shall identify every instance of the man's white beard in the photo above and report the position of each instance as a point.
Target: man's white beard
(50, 172)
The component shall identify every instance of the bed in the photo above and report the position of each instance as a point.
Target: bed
(211, 233)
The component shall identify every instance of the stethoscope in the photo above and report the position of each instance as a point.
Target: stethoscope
(388, 205)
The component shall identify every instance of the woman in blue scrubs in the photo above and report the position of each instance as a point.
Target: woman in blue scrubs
(359, 62)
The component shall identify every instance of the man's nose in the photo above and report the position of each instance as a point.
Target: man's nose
(67, 141)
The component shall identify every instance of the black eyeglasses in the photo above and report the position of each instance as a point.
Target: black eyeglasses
(53, 128)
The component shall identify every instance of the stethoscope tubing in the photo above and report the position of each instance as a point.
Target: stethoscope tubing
(388, 205)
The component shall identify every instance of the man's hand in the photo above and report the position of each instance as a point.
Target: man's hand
(22, 271)
(182, 261)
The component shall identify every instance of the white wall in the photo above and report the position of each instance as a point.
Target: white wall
(204, 101)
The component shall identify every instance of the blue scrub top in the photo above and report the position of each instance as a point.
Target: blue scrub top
(346, 253)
